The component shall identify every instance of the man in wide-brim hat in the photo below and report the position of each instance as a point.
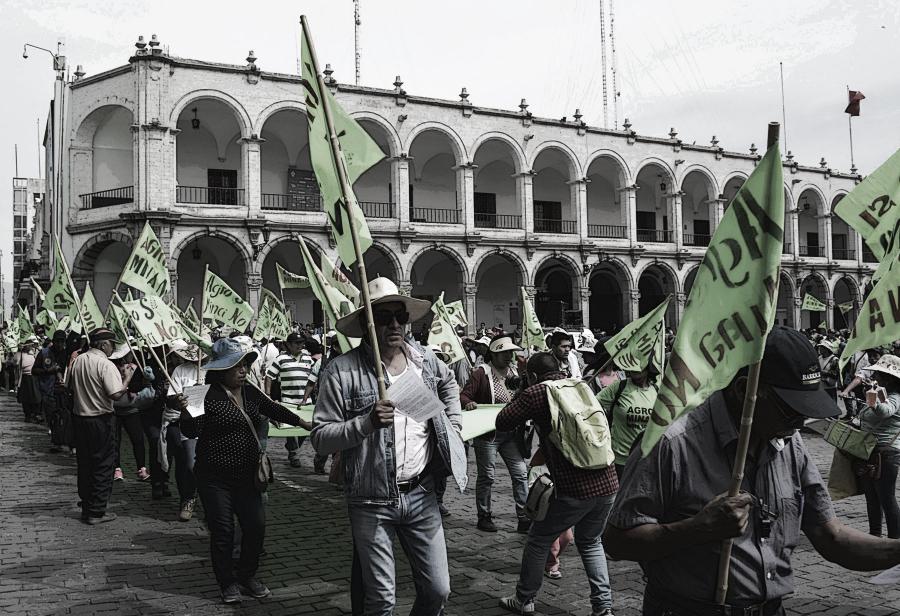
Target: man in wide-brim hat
(390, 460)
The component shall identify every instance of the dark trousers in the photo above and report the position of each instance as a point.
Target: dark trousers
(881, 494)
(135, 430)
(183, 452)
(152, 422)
(223, 499)
(95, 440)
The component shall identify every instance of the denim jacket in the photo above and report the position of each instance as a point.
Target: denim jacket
(347, 392)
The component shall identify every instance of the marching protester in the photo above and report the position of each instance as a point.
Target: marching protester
(882, 418)
(384, 499)
(828, 365)
(96, 384)
(290, 371)
(152, 420)
(228, 461)
(28, 392)
(561, 344)
(49, 368)
(488, 385)
(629, 404)
(581, 499)
(128, 410)
(671, 514)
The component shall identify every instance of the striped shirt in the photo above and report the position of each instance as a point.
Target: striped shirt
(292, 374)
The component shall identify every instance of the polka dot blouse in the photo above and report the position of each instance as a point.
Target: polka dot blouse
(226, 446)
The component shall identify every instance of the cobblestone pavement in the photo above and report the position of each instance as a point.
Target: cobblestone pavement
(148, 563)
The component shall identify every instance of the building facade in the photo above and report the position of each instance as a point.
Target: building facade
(599, 225)
(28, 199)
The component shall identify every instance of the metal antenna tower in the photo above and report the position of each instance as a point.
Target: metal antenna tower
(603, 65)
(612, 44)
(356, 23)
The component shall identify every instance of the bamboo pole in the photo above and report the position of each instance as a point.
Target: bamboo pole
(347, 194)
(740, 458)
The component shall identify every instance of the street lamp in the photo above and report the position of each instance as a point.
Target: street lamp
(59, 60)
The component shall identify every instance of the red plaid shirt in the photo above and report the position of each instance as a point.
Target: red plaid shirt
(570, 481)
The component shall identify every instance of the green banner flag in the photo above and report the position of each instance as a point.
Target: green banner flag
(46, 318)
(41, 296)
(357, 152)
(336, 278)
(146, 269)
(11, 340)
(263, 321)
(634, 347)
(118, 321)
(442, 332)
(289, 280)
(878, 322)
(154, 321)
(223, 305)
(24, 325)
(845, 307)
(457, 313)
(91, 316)
(334, 304)
(812, 303)
(61, 297)
(871, 207)
(532, 332)
(731, 307)
(279, 322)
(264, 293)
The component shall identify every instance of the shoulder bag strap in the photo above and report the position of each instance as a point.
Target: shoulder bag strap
(245, 415)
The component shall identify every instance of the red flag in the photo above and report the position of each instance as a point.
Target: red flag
(853, 105)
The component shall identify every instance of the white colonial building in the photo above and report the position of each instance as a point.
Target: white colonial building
(599, 225)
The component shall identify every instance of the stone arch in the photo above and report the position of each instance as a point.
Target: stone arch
(497, 276)
(654, 205)
(102, 157)
(555, 169)
(456, 143)
(88, 266)
(430, 275)
(656, 281)
(285, 251)
(389, 257)
(699, 203)
(557, 280)
(83, 125)
(245, 124)
(559, 256)
(518, 155)
(282, 105)
(784, 309)
(843, 236)
(568, 154)
(705, 172)
(845, 289)
(688, 282)
(822, 201)
(241, 246)
(284, 130)
(607, 213)
(450, 252)
(511, 256)
(625, 177)
(610, 284)
(815, 284)
(390, 133)
(210, 249)
(659, 163)
(811, 210)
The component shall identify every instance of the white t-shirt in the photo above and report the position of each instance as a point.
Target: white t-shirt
(411, 443)
(185, 375)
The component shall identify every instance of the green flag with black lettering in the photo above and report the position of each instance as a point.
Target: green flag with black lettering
(334, 303)
(154, 321)
(634, 347)
(442, 332)
(146, 269)
(812, 303)
(289, 280)
(91, 315)
(357, 152)
(61, 297)
(731, 307)
(532, 332)
(223, 305)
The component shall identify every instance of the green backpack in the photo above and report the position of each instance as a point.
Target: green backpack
(578, 426)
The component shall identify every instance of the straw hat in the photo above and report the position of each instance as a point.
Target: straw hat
(382, 291)
(888, 364)
(441, 355)
(227, 353)
(503, 344)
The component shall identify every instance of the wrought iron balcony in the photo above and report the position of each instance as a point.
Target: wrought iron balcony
(608, 231)
(209, 195)
(498, 221)
(554, 225)
(812, 251)
(292, 203)
(654, 235)
(843, 254)
(692, 239)
(441, 216)
(377, 209)
(106, 198)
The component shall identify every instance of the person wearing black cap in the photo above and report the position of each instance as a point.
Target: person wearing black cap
(48, 370)
(291, 371)
(96, 383)
(672, 514)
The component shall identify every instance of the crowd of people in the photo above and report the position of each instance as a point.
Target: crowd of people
(391, 434)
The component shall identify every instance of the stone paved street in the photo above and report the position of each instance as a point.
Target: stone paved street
(147, 562)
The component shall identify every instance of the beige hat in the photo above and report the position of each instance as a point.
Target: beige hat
(120, 351)
(187, 352)
(382, 291)
(440, 353)
(484, 340)
(503, 344)
(889, 364)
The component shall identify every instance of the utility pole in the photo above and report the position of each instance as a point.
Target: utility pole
(356, 23)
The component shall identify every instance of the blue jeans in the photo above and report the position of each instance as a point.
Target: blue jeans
(417, 523)
(184, 465)
(589, 519)
(486, 450)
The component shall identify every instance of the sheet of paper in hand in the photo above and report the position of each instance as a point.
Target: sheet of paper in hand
(412, 397)
(458, 462)
(195, 396)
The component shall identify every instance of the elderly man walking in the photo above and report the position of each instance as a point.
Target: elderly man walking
(391, 450)
(96, 383)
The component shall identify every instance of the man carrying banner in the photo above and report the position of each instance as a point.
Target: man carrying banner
(391, 449)
(290, 370)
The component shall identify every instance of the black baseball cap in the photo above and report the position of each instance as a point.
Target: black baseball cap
(100, 334)
(294, 337)
(790, 366)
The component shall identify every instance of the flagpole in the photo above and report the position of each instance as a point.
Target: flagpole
(743, 446)
(850, 127)
(346, 193)
(137, 332)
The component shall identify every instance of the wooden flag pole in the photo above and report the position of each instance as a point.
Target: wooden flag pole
(740, 458)
(347, 194)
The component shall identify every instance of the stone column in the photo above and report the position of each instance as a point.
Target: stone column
(251, 170)
(716, 212)
(795, 235)
(797, 312)
(825, 233)
(858, 243)
(680, 300)
(586, 307)
(525, 193)
(465, 195)
(829, 313)
(578, 195)
(634, 305)
(674, 202)
(470, 290)
(400, 188)
(254, 282)
(628, 207)
(173, 277)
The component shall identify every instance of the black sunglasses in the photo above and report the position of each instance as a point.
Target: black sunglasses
(386, 317)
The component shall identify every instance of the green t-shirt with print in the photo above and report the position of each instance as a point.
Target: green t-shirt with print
(630, 417)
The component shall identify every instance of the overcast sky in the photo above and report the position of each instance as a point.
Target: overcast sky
(704, 67)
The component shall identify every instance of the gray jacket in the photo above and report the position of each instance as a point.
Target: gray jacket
(348, 390)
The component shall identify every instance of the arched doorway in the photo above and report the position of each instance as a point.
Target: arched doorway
(606, 215)
(655, 284)
(379, 263)
(101, 264)
(208, 155)
(654, 204)
(222, 258)
(609, 287)
(432, 179)
(846, 303)
(497, 294)
(103, 170)
(815, 286)
(843, 238)
(784, 311)
(302, 305)
(435, 272)
(554, 209)
(497, 203)
(286, 178)
(556, 302)
(811, 224)
(697, 202)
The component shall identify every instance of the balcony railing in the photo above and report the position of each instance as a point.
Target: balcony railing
(610, 231)
(209, 195)
(376, 209)
(812, 251)
(654, 235)
(786, 249)
(552, 225)
(293, 203)
(867, 254)
(843, 254)
(692, 239)
(106, 198)
(424, 214)
(497, 221)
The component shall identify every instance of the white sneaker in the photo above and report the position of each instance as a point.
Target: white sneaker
(517, 607)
